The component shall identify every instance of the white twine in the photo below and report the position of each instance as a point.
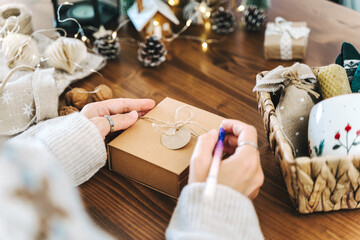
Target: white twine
(14, 70)
(20, 13)
(170, 129)
(11, 26)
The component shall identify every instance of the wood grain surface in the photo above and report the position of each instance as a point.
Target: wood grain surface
(220, 81)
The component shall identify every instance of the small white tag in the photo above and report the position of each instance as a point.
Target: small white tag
(179, 140)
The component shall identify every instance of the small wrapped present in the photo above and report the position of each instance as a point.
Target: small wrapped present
(153, 152)
(286, 40)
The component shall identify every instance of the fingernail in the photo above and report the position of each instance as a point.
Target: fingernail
(133, 114)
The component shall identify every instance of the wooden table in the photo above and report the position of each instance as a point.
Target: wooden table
(220, 81)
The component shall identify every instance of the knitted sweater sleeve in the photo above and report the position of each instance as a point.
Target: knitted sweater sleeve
(229, 215)
(74, 141)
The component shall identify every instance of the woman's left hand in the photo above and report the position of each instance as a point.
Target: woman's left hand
(123, 111)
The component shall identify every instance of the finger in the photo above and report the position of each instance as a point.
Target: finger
(229, 150)
(202, 155)
(125, 120)
(254, 194)
(243, 131)
(230, 141)
(124, 105)
(117, 106)
(142, 113)
(242, 156)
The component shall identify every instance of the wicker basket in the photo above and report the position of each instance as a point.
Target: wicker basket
(317, 184)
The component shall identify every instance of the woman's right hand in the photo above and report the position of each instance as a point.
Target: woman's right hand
(241, 170)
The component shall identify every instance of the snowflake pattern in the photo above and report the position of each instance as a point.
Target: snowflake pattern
(6, 98)
(28, 110)
(14, 130)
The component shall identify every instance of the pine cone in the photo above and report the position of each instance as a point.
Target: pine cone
(107, 46)
(253, 18)
(152, 52)
(223, 21)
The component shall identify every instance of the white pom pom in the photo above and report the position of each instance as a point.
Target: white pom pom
(20, 49)
(66, 54)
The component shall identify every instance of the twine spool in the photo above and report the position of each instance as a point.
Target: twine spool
(21, 13)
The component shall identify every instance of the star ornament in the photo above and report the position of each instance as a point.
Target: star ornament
(102, 32)
(28, 110)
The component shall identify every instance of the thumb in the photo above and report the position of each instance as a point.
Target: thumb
(125, 120)
(202, 155)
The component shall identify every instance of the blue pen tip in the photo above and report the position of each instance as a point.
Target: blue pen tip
(222, 133)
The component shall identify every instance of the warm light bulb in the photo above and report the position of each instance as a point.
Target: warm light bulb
(114, 35)
(207, 14)
(203, 7)
(83, 38)
(241, 8)
(156, 23)
(173, 2)
(207, 26)
(204, 46)
(188, 22)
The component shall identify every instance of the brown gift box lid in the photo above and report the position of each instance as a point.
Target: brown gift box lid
(298, 46)
(138, 154)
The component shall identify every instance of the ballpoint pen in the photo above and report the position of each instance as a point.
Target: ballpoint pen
(211, 180)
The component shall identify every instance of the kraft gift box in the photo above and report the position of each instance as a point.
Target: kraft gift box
(137, 153)
(273, 39)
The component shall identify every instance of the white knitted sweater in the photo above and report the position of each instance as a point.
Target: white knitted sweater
(30, 177)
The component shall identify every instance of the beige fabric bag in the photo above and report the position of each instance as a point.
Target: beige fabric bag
(298, 96)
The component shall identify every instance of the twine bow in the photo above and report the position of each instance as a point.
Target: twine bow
(282, 26)
(298, 74)
(171, 128)
(292, 76)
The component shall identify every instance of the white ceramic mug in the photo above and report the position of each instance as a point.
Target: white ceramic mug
(334, 126)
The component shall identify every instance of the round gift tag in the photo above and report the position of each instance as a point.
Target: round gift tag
(181, 137)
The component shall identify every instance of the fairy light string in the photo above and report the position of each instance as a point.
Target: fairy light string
(204, 9)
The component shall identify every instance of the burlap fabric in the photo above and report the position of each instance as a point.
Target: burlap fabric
(298, 96)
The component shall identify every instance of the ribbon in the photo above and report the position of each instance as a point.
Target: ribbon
(298, 74)
(287, 32)
(170, 129)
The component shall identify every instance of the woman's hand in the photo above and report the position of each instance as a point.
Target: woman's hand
(242, 170)
(123, 111)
